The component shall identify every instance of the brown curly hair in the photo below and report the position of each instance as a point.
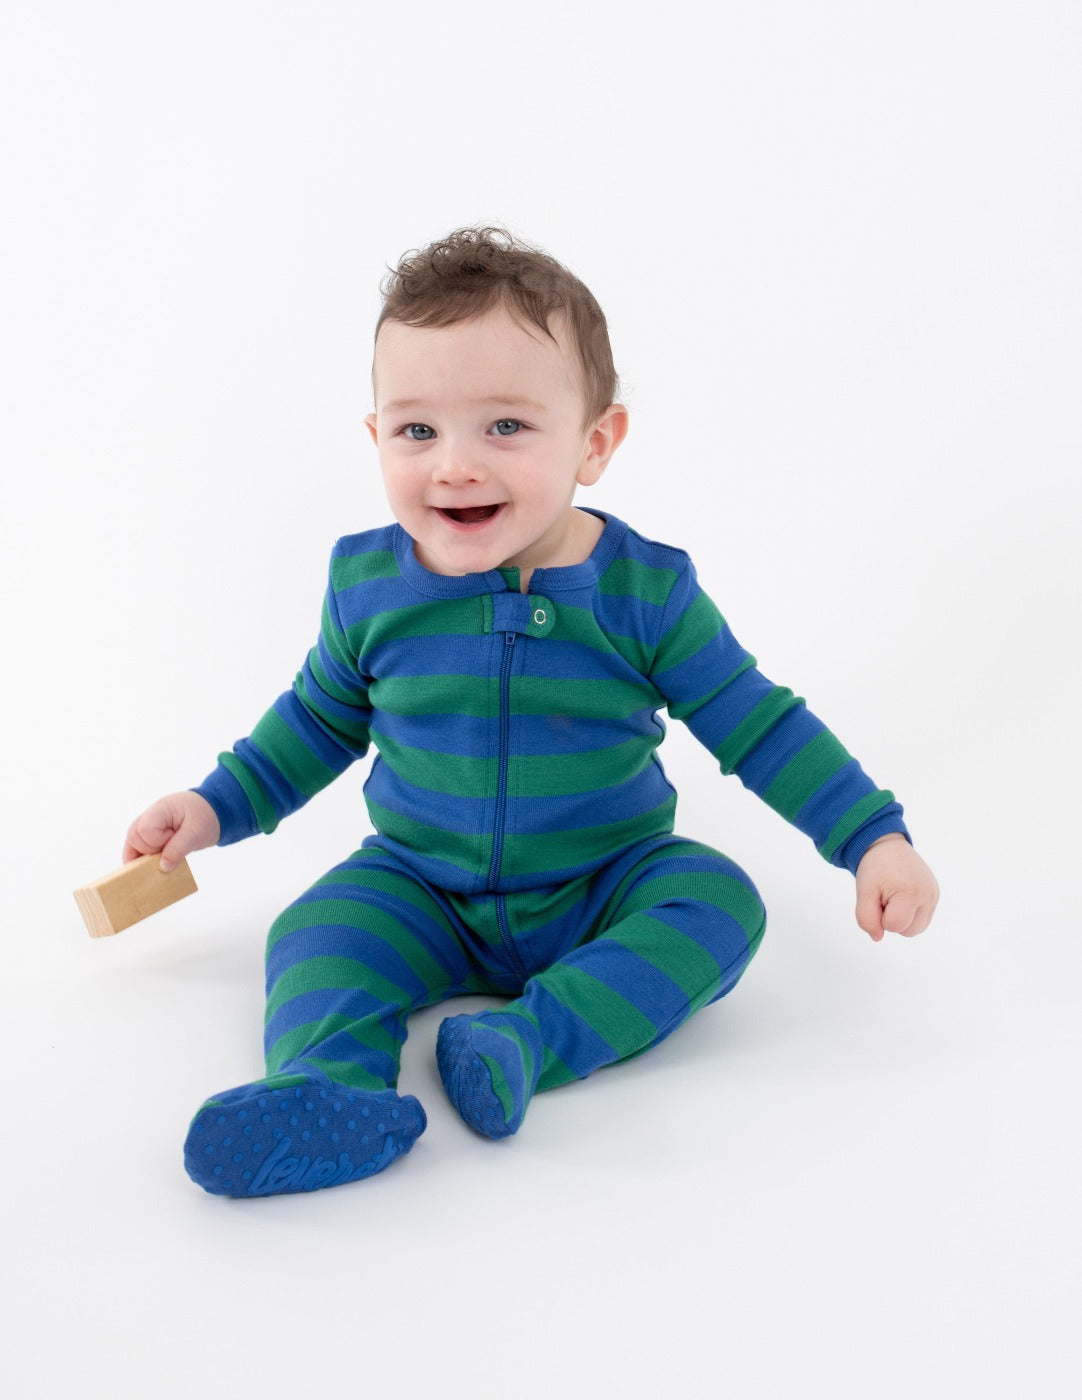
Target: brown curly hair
(474, 269)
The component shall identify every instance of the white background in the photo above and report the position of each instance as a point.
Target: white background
(839, 249)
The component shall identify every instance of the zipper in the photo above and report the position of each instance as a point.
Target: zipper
(505, 744)
(501, 801)
(508, 940)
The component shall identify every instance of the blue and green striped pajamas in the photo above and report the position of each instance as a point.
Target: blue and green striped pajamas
(524, 844)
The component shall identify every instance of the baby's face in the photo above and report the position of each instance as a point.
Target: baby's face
(481, 442)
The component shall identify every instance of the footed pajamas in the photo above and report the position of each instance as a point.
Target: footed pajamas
(524, 844)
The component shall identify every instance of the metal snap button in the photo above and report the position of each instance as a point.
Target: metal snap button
(540, 616)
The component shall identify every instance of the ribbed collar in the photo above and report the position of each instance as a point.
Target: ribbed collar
(543, 581)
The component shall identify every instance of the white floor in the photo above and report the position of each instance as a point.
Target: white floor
(863, 1166)
(838, 249)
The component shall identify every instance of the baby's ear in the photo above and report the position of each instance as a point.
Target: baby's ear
(604, 438)
(370, 424)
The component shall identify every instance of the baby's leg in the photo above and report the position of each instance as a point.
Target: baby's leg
(345, 965)
(676, 933)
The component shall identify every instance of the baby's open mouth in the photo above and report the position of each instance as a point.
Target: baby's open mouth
(471, 515)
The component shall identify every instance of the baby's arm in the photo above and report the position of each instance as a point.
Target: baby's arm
(896, 891)
(175, 825)
(786, 755)
(312, 733)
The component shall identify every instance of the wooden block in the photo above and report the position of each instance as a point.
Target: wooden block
(131, 893)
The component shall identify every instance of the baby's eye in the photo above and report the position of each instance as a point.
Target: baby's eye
(506, 427)
(419, 432)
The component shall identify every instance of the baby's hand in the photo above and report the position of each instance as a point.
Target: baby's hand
(177, 825)
(896, 891)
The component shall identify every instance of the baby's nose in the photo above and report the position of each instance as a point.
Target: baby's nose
(457, 465)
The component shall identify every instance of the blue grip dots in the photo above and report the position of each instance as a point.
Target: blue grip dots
(297, 1133)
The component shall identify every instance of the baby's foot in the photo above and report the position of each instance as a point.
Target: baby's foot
(489, 1066)
(297, 1133)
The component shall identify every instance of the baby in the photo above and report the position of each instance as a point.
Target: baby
(507, 655)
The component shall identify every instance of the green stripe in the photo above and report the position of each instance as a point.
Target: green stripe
(673, 953)
(610, 1015)
(329, 687)
(699, 624)
(566, 699)
(350, 569)
(724, 892)
(333, 974)
(470, 852)
(805, 774)
(579, 699)
(435, 695)
(439, 618)
(366, 875)
(369, 919)
(580, 626)
(546, 905)
(368, 1033)
(564, 775)
(857, 815)
(682, 710)
(439, 772)
(348, 1073)
(524, 1050)
(536, 853)
(292, 757)
(264, 811)
(553, 1072)
(631, 578)
(500, 1086)
(739, 742)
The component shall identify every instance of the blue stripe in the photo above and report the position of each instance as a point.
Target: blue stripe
(541, 735)
(644, 793)
(718, 716)
(332, 752)
(549, 659)
(430, 868)
(436, 654)
(341, 1047)
(359, 601)
(464, 736)
(652, 993)
(354, 943)
(440, 943)
(465, 816)
(720, 660)
(763, 764)
(567, 1035)
(311, 1006)
(718, 933)
(625, 615)
(284, 797)
(346, 678)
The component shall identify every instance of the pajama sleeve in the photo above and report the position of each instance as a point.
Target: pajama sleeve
(310, 735)
(764, 733)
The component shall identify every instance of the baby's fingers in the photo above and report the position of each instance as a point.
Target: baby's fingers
(155, 830)
(904, 914)
(175, 826)
(145, 838)
(872, 904)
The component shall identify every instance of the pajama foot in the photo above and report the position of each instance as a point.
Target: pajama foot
(297, 1133)
(487, 1074)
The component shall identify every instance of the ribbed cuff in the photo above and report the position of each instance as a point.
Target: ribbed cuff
(231, 806)
(886, 822)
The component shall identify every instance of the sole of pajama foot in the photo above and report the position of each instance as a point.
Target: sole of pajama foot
(467, 1080)
(258, 1141)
